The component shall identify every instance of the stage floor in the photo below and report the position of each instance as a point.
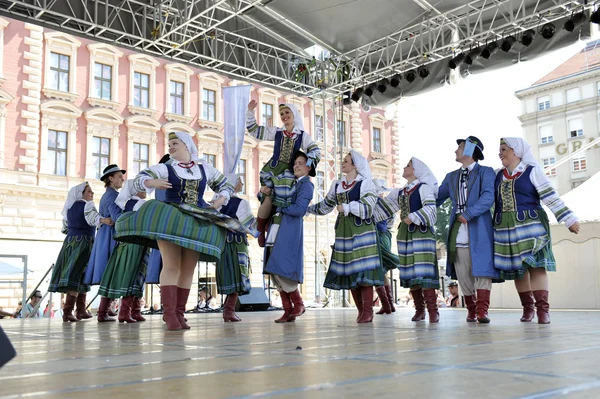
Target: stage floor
(324, 354)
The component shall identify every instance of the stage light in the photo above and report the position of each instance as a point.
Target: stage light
(472, 56)
(410, 76)
(395, 81)
(456, 61)
(527, 37)
(490, 49)
(382, 86)
(423, 71)
(507, 43)
(595, 17)
(574, 21)
(370, 90)
(357, 94)
(548, 31)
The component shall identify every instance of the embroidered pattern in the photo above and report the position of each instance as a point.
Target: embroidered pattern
(287, 149)
(507, 194)
(342, 198)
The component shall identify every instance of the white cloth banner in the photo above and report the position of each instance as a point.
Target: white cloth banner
(235, 100)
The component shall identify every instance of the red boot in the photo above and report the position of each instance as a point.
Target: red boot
(136, 310)
(528, 301)
(431, 300)
(386, 308)
(125, 310)
(182, 297)
(168, 296)
(419, 305)
(68, 309)
(103, 310)
(229, 308)
(542, 305)
(288, 308)
(261, 226)
(483, 304)
(390, 295)
(357, 301)
(81, 313)
(299, 308)
(471, 308)
(367, 304)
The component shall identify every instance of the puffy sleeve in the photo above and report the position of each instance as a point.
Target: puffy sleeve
(218, 182)
(327, 204)
(92, 217)
(259, 132)
(427, 215)
(387, 207)
(159, 171)
(550, 197)
(312, 150)
(245, 216)
(364, 207)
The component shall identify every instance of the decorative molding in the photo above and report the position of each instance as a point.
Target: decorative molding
(211, 81)
(61, 116)
(61, 43)
(142, 63)
(102, 122)
(5, 98)
(141, 129)
(178, 73)
(356, 127)
(107, 55)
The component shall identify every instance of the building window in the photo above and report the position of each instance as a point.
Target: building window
(57, 153)
(341, 134)
(579, 164)
(575, 127)
(176, 97)
(211, 159)
(141, 90)
(573, 95)
(549, 162)
(320, 186)
(546, 135)
(543, 103)
(267, 114)
(102, 81)
(209, 105)
(319, 128)
(100, 154)
(59, 71)
(140, 157)
(241, 171)
(376, 139)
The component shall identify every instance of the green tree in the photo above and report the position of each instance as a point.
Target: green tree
(443, 220)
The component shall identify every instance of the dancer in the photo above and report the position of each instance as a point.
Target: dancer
(233, 269)
(522, 244)
(125, 273)
(284, 251)
(155, 260)
(104, 243)
(355, 261)
(471, 237)
(184, 227)
(287, 142)
(80, 220)
(416, 239)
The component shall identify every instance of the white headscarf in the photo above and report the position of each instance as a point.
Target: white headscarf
(126, 193)
(190, 145)
(297, 118)
(75, 194)
(362, 165)
(380, 186)
(423, 173)
(522, 150)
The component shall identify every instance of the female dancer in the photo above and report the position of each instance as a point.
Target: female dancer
(416, 238)
(522, 244)
(80, 220)
(356, 260)
(155, 260)
(184, 227)
(288, 141)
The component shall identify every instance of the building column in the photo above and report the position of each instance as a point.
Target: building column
(356, 127)
(396, 161)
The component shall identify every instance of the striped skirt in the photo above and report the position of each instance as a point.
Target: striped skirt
(201, 230)
(356, 259)
(281, 180)
(389, 260)
(70, 265)
(125, 273)
(522, 240)
(233, 271)
(417, 257)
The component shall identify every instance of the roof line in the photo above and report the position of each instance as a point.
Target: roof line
(558, 79)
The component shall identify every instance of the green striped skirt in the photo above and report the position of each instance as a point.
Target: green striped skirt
(522, 241)
(281, 180)
(417, 257)
(389, 259)
(70, 265)
(233, 271)
(125, 273)
(198, 229)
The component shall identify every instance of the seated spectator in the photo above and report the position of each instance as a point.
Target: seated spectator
(28, 309)
(17, 314)
(453, 299)
(441, 302)
(49, 311)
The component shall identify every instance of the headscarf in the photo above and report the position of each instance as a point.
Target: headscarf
(423, 173)
(232, 178)
(297, 118)
(380, 186)
(189, 143)
(127, 192)
(362, 165)
(75, 194)
(521, 148)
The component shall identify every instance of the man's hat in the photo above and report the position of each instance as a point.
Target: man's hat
(111, 169)
(453, 284)
(478, 145)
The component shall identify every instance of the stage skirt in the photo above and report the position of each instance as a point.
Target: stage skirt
(388, 258)
(417, 257)
(233, 270)
(69, 269)
(125, 273)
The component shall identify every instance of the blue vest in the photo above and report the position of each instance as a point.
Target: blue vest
(348, 197)
(184, 191)
(130, 204)
(280, 152)
(76, 223)
(414, 200)
(516, 195)
(231, 210)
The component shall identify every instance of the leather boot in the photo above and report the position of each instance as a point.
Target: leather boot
(261, 226)
(431, 301)
(136, 310)
(419, 305)
(470, 301)
(229, 308)
(390, 295)
(356, 295)
(299, 308)
(542, 305)
(483, 304)
(81, 313)
(367, 304)
(182, 297)
(109, 310)
(288, 308)
(103, 310)
(125, 310)
(528, 301)
(383, 298)
(168, 296)
(68, 309)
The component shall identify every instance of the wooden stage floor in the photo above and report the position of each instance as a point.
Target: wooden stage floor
(324, 354)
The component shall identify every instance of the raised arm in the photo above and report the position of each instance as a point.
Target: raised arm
(256, 131)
